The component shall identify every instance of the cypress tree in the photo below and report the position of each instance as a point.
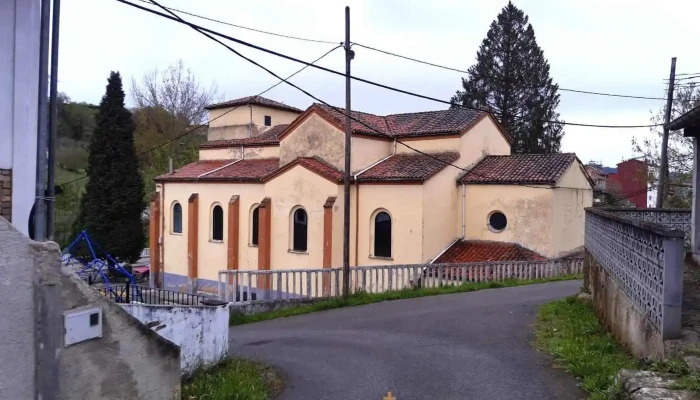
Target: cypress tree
(111, 208)
(511, 78)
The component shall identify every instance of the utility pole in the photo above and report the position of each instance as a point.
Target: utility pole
(53, 111)
(349, 55)
(663, 171)
(42, 126)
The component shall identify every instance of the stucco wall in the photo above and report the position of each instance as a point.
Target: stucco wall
(19, 79)
(314, 137)
(16, 314)
(200, 331)
(129, 361)
(234, 124)
(430, 144)
(229, 153)
(441, 207)
(212, 255)
(405, 205)
(569, 210)
(365, 152)
(261, 152)
(481, 140)
(298, 187)
(529, 212)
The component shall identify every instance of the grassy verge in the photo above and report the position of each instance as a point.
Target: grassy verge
(362, 298)
(569, 329)
(234, 380)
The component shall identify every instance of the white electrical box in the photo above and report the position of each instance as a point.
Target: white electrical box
(81, 325)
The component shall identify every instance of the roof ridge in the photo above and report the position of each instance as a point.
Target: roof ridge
(429, 111)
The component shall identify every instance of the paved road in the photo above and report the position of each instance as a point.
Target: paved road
(460, 346)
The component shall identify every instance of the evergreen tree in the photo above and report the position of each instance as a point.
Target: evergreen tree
(511, 78)
(111, 208)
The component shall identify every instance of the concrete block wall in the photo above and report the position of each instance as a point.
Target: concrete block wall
(200, 331)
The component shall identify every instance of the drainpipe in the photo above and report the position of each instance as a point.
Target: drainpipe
(250, 125)
(161, 241)
(464, 199)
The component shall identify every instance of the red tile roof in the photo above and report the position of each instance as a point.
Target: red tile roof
(268, 138)
(315, 164)
(408, 167)
(442, 122)
(254, 100)
(541, 169)
(481, 251)
(253, 170)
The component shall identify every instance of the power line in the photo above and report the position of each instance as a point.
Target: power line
(244, 27)
(214, 119)
(386, 52)
(334, 108)
(207, 32)
(491, 77)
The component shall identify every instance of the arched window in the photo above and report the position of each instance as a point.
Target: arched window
(177, 218)
(300, 225)
(382, 234)
(254, 225)
(217, 223)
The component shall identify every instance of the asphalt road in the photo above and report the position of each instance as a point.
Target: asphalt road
(460, 346)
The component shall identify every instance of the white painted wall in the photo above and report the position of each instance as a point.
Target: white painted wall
(19, 82)
(200, 331)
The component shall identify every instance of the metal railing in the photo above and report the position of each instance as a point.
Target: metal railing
(143, 294)
(243, 286)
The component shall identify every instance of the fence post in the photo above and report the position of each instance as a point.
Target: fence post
(673, 288)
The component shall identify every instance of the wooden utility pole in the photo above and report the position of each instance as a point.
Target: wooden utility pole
(661, 189)
(349, 55)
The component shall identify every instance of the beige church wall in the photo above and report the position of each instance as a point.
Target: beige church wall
(429, 144)
(337, 240)
(404, 203)
(314, 137)
(228, 153)
(569, 210)
(228, 132)
(366, 152)
(529, 213)
(242, 116)
(278, 117)
(297, 187)
(440, 210)
(212, 255)
(261, 152)
(481, 140)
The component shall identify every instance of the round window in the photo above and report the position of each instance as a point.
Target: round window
(497, 221)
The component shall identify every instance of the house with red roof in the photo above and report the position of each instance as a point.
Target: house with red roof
(435, 186)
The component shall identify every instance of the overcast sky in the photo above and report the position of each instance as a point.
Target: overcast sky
(614, 46)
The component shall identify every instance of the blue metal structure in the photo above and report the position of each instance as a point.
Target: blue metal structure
(98, 266)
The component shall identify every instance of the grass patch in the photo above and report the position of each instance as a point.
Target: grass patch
(234, 379)
(569, 329)
(361, 298)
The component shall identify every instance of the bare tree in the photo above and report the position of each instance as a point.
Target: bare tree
(175, 90)
(680, 148)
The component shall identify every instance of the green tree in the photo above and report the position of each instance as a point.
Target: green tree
(112, 206)
(511, 79)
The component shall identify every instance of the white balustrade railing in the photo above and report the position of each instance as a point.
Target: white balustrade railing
(244, 286)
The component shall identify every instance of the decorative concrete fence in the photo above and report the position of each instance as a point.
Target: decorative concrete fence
(678, 219)
(634, 270)
(245, 286)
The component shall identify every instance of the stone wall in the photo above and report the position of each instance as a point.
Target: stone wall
(6, 194)
(200, 331)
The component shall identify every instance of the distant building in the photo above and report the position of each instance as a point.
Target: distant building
(267, 193)
(625, 185)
